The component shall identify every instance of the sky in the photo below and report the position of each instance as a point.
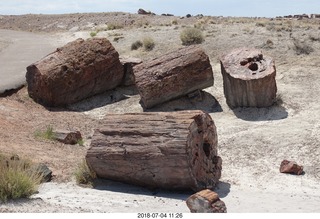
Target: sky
(237, 8)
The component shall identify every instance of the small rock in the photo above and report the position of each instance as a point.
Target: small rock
(290, 167)
(43, 170)
(206, 201)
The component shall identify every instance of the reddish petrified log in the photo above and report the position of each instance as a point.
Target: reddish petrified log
(248, 78)
(173, 75)
(176, 150)
(78, 70)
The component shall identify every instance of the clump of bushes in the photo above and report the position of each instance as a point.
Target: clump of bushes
(190, 36)
(17, 178)
(136, 45)
(302, 47)
(84, 175)
(147, 43)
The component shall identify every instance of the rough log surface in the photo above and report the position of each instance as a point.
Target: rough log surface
(248, 78)
(173, 75)
(176, 150)
(206, 201)
(78, 70)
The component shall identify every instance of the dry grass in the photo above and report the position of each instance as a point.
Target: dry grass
(17, 179)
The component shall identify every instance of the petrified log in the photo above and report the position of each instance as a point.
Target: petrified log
(176, 150)
(173, 75)
(67, 137)
(78, 70)
(206, 201)
(248, 78)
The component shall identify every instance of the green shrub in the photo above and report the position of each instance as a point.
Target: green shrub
(84, 175)
(17, 179)
(190, 36)
(48, 134)
(93, 34)
(148, 43)
(136, 45)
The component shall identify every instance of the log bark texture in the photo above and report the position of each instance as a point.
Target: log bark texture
(78, 70)
(176, 150)
(248, 78)
(173, 75)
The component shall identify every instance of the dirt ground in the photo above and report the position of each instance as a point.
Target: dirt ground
(252, 142)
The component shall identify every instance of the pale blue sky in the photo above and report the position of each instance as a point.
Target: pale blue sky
(246, 8)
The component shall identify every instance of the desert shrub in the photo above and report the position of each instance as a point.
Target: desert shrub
(93, 34)
(148, 43)
(302, 47)
(260, 24)
(175, 22)
(48, 134)
(191, 36)
(114, 26)
(136, 45)
(84, 175)
(17, 179)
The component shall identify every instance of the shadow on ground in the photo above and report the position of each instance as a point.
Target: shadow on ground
(223, 189)
(119, 187)
(275, 112)
(204, 101)
(103, 99)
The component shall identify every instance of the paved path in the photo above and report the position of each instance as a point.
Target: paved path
(18, 50)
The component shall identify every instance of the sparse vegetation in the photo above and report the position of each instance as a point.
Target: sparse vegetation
(136, 45)
(191, 36)
(84, 175)
(148, 43)
(301, 47)
(47, 134)
(114, 26)
(93, 34)
(17, 179)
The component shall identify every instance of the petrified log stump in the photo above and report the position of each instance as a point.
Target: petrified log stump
(248, 78)
(173, 75)
(206, 201)
(176, 150)
(78, 70)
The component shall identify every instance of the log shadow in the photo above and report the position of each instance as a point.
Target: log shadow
(275, 112)
(199, 100)
(120, 187)
(223, 189)
(100, 100)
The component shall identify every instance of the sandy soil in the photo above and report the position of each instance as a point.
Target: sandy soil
(252, 142)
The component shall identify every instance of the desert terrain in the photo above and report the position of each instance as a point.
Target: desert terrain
(252, 142)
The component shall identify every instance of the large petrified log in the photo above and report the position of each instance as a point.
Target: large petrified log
(248, 78)
(176, 150)
(78, 70)
(173, 75)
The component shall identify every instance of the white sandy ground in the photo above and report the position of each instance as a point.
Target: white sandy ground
(252, 144)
